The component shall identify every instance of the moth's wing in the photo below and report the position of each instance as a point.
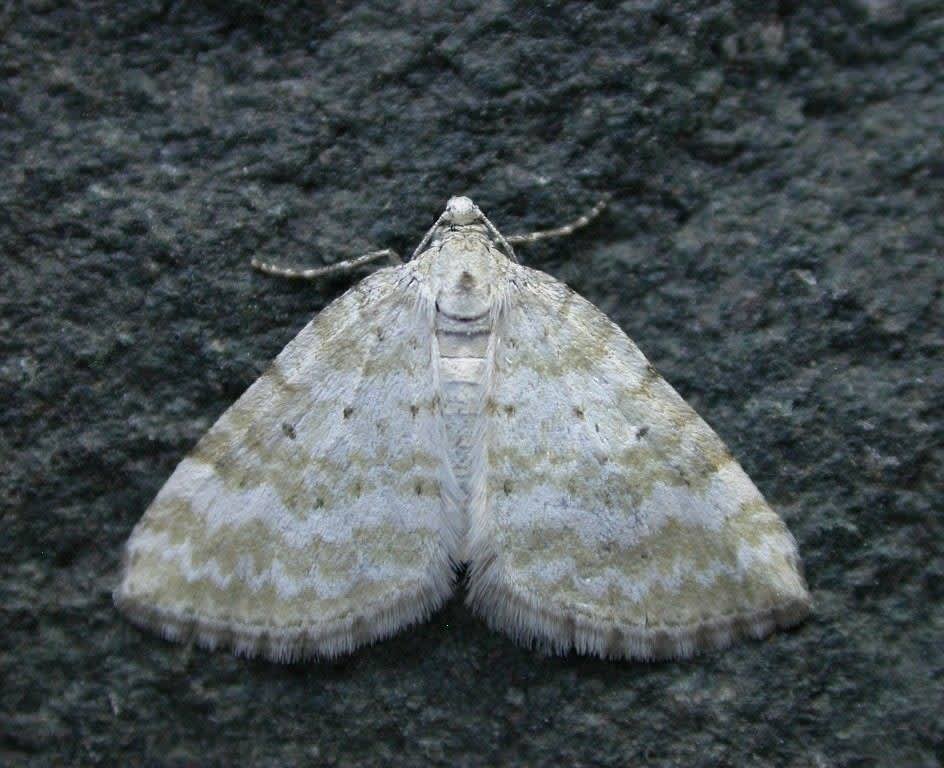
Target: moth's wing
(612, 519)
(311, 518)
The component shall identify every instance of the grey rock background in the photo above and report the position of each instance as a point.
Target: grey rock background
(774, 244)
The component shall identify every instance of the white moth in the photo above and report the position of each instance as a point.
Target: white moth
(461, 409)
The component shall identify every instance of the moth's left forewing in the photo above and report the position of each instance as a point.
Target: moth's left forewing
(614, 520)
(309, 520)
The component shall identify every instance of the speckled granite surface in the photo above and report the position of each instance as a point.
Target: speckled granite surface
(774, 245)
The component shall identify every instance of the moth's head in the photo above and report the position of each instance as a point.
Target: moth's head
(463, 220)
(461, 211)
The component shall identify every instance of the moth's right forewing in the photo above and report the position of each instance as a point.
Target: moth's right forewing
(614, 521)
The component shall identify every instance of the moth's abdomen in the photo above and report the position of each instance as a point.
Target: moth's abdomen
(462, 350)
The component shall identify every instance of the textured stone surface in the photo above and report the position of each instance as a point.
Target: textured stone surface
(774, 245)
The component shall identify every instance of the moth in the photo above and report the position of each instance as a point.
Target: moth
(461, 409)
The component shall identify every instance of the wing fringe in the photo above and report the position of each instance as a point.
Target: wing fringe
(532, 623)
(288, 644)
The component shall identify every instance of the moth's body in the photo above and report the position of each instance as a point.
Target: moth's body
(465, 265)
(462, 408)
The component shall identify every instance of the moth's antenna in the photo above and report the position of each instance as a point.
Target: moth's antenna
(509, 251)
(567, 229)
(312, 273)
(459, 210)
(429, 234)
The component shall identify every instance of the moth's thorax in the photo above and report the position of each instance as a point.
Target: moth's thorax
(463, 278)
